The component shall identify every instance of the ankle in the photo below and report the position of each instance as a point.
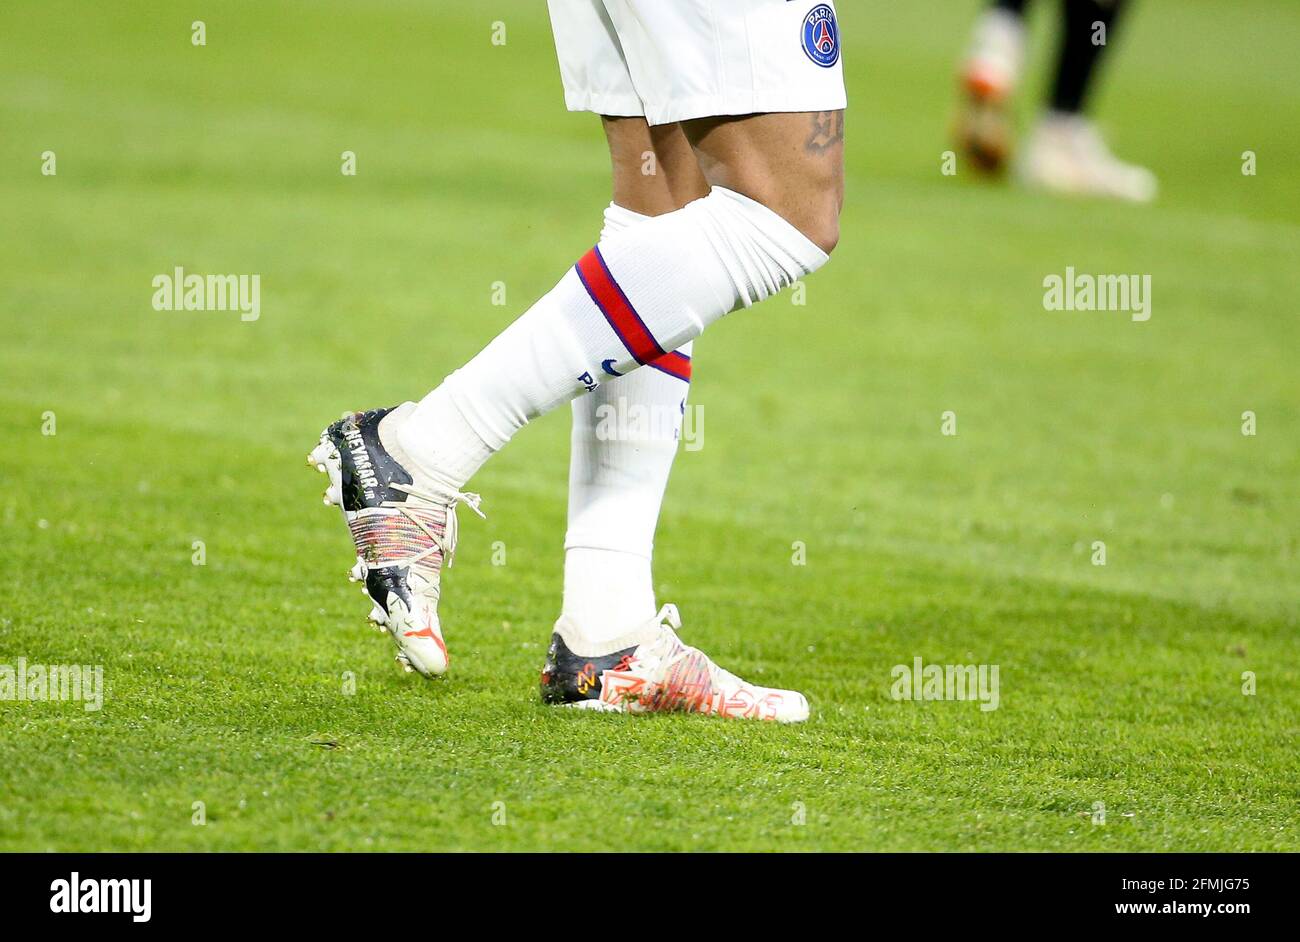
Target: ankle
(434, 443)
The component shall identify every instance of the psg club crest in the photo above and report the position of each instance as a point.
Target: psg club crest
(821, 35)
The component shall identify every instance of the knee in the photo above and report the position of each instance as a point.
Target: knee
(821, 227)
(818, 217)
(825, 232)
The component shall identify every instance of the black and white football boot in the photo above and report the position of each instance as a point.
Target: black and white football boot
(404, 532)
(650, 670)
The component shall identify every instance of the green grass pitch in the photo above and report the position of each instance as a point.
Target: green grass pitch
(1120, 684)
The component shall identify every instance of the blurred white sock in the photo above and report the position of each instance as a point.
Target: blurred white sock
(997, 52)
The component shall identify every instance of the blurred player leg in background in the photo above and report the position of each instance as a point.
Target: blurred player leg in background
(1065, 152)
(989, 78)
(626, 432)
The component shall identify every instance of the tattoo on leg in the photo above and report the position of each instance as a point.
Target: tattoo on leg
(827, 132)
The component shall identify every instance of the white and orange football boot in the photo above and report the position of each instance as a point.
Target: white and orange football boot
(651, 671)
(404, 534)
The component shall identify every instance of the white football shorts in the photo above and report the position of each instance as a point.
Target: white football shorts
(673, 60)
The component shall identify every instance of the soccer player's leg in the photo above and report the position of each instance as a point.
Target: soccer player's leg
(786, 167)
(791, 165)
(402, 516)
(989, 76)
(625, 437)
(626, 432)
(1066, 153)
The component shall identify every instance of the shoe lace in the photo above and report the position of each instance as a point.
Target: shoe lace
(444, 542)
(670, 614)
(670, 619)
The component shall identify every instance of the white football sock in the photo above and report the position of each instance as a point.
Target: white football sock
(997, 50)
(625, 437)
(618, 218)
(606, 594)
(642, 291)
